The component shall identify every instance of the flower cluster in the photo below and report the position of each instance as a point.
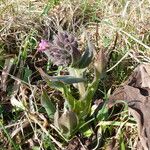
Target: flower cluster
(63, 51)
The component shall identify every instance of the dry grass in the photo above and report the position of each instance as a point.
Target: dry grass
(120, 27)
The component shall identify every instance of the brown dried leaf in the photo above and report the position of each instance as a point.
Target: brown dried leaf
(140, 77)
(136, 92)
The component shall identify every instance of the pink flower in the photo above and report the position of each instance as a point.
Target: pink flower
(43, 45)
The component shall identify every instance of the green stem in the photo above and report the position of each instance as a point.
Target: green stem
(87, 98)
(81, 86)
(79, 74)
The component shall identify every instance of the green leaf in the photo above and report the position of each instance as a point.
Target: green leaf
(122, 143)
(88, 133)
(24, 54)
(48, 144)
(36, 148)
(47, 104)
(27, 73)
(60, 79)
(85, 59)
(67, 79)
(102, 113)
(87, 56)
(87, 97)
(65, 91)
(53, 82)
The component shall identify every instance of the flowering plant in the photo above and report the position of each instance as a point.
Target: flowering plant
(63, 51)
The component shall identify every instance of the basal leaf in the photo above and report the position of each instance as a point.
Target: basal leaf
(67, 79)
(47, 104)
(27, 74)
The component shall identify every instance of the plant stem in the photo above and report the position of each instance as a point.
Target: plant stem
(81, 86)
(79, 74)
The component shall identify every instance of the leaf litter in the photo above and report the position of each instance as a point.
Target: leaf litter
(135, 91)
(19, 27)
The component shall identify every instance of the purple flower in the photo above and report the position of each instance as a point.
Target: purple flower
(63, 51)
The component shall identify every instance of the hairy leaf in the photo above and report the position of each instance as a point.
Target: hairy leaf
(47, 104)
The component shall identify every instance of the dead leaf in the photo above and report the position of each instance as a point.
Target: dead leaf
(140, 77)
(136, 92)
